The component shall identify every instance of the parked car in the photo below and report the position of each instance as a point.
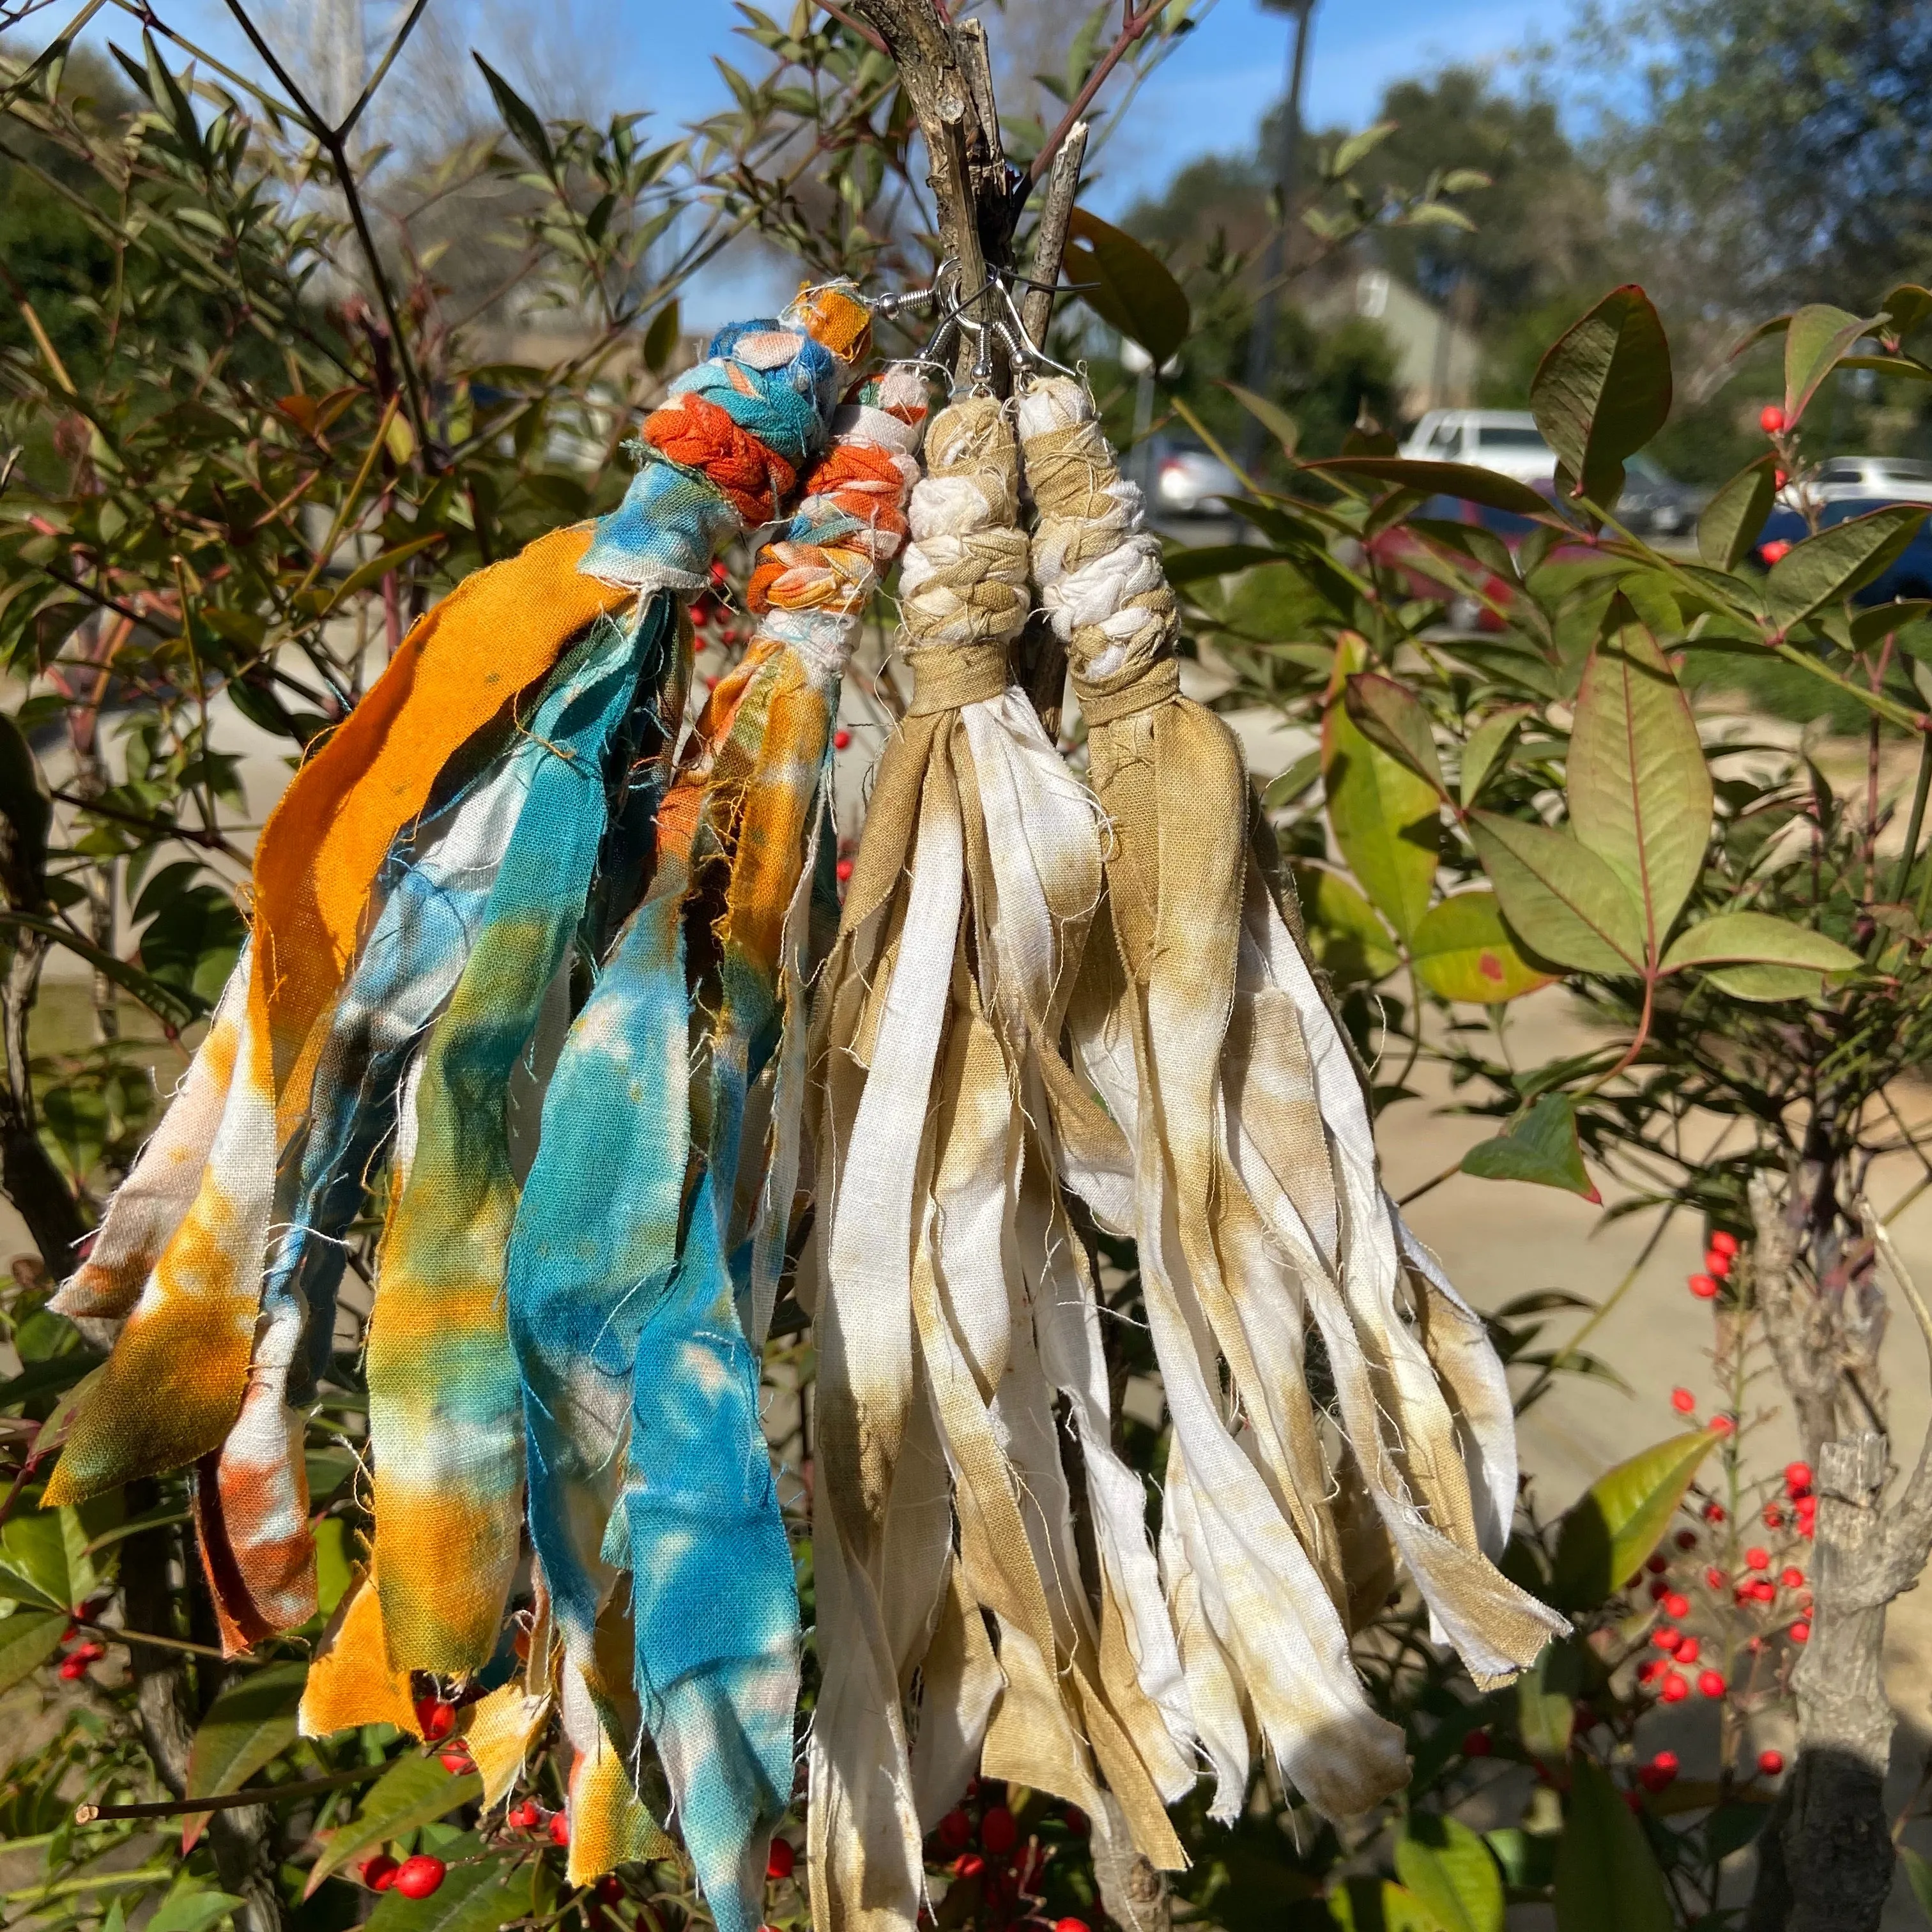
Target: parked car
(1654, 503)
(1188, 481)
(1909, 574)
(1507, 441)
(1872, 479)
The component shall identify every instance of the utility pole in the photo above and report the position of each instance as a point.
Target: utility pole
(1274, 262)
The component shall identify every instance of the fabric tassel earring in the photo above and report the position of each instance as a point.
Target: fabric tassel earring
(1256, 1203)
(424, 866)
(949, 1315)
(638, 1311)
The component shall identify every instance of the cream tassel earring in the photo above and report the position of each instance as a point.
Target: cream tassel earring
(1257, 1205)
(949, 1310)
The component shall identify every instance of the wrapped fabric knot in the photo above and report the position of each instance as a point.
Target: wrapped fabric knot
(953, 1313)
(1254, 1196)
(638, 1311)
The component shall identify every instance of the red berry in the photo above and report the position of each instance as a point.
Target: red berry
(1689, 1651)
(1660, 1588)
(610, 1888)
(1666, 1637)
(68, 1635)
(1646, 1671)
(1792, 1578)
(1800, 1632)
(1777, 548)
(1076, 1821)
(1771, 419)
(1686, 1539)
(718, 571)
(1717, 1265)
(1756, 1558)
(844, 870)
(379, 1873)
(781, 1859)
(1477, 1744)
(1677, 1604)
(1798, 1478)
(1704, 1287)
(1774, 1519)
(1071, 1925)
(1661, 1771)
(1711, 1683)
(1713, 1512)
(1657, 1565)
(1714, 1577)
(840, 739)
(1770, 1763)
(420, 1876)
(970, 1864)
(435, 1719)
(1723, 1425)
(1675, 1688)
(1779, 479)
(559, 1828)
(1683, 1401)
(525, 1817)
(1724, 1242)
(457, 1760)
(72, 1669)
(954, 1832)
(997, 1831)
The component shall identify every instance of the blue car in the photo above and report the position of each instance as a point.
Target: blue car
(1853, 486)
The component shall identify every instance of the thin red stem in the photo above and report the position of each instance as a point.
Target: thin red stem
(1133, 29)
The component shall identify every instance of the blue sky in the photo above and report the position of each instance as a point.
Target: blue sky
(1210, 95)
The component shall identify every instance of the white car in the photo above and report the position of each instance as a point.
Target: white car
(1507, 441)
(1894, 479)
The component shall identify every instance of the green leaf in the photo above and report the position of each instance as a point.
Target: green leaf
(1440, 479)
(1540, 1145)
(1622, 1516)
(192, 943)
(1390, 715)
(1606, 1877)
(33, 1560)
(179, 1007)
(477, 1898)
(1907, 308)
(1358, 148)
(1385, 820)
(249, 1725)
(1133, 289)
(660, 339)
(1918, 1876)
(1837, 562)
(1288, 788)
(1450, 1869)
(378, 568)
(1349, 943)
(1603, 391)
(519, 117)
(1818, 334)
(1379, 1905)
(27, 1639)
(1462, 952)
(1732, 517)
(413, 1791)
(1271, 416)
(1764, 983)
(1546, 1702)
(1639, 790)
(1757, 937)
(1185, 565)
(1562, 901)
(1489, 748)
(192, 1911)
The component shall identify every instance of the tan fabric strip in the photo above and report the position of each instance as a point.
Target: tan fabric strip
(1154, 685)
(951, 680)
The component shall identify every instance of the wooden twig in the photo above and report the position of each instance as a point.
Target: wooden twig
(229, 1800)
(1049, 235)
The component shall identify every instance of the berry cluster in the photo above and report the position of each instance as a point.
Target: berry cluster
(73, 1665)
(982, 1846)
